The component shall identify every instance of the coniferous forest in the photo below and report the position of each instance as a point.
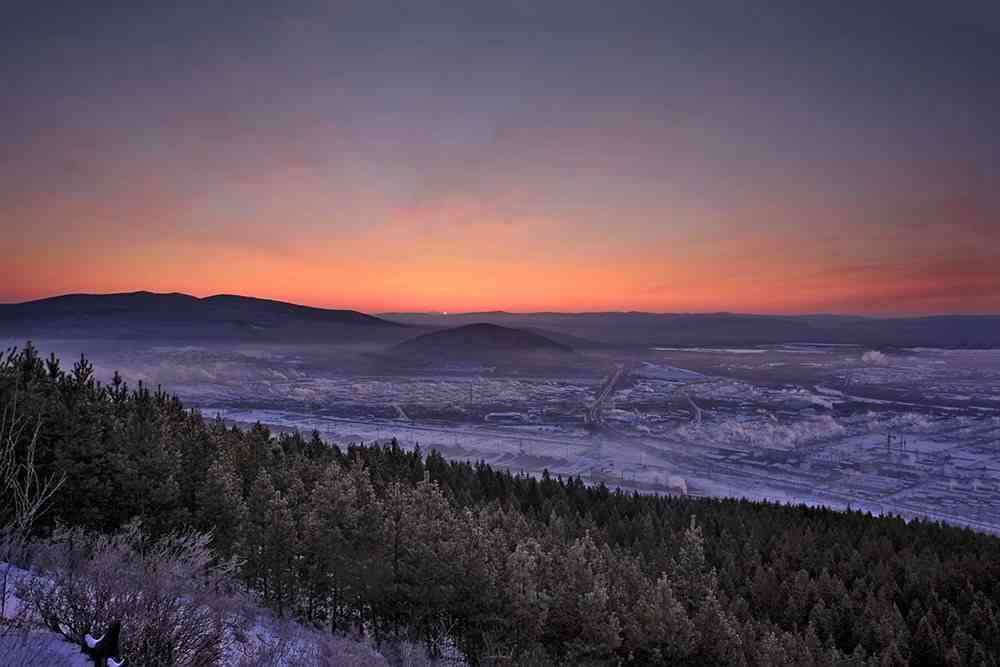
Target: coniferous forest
(540, 571)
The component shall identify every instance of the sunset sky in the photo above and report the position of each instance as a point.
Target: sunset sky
(526, 155)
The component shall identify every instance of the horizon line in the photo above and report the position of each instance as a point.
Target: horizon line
(465, 313)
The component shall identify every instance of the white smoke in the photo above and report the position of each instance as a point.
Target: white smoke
(766, 434)
(875, 358)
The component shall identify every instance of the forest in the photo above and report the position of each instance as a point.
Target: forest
(508, 569)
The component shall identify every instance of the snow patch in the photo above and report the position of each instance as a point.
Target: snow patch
(671, 373)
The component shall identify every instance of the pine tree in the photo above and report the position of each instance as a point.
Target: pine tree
(667, 631)
(221, 508)
(332, 534)
(692, 580)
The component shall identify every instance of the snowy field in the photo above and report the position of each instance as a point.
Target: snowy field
(910, 431)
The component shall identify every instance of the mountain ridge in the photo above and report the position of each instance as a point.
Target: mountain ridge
(170, 315)
(165, 315)
(726, 329)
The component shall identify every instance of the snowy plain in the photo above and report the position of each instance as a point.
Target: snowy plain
(914, 432)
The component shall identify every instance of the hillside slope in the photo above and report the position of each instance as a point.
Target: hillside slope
(181, 316)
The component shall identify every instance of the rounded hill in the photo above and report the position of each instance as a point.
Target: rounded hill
(479, 340)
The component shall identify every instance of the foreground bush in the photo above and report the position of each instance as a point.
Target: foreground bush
(174, 602)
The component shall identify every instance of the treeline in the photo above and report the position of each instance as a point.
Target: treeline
(508, 567)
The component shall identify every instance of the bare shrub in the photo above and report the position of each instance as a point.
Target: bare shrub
(173, 600)
(23, 497)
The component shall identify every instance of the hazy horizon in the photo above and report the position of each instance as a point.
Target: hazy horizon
(461, 313)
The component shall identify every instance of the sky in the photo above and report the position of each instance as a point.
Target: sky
(564, 155)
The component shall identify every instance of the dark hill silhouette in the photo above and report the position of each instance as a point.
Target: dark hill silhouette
(182, 316)
(727, 329)
(226, 317)
(479, 340)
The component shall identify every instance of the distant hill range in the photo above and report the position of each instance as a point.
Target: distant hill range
(726, 329)
(479, 341)
(174, 316)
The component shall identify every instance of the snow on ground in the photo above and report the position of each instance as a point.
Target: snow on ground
(40, 649)
(662, 372)
(37, 647)
(279, 643)
(712, 350)
(819, 436)
(269, 640)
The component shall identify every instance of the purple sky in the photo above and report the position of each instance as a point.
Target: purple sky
(697, 156)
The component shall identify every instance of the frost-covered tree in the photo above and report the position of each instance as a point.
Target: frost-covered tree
(221, 508)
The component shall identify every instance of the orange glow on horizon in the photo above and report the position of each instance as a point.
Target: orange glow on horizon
(461, 253)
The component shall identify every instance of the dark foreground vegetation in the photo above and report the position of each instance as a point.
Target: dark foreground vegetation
(511, 569)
